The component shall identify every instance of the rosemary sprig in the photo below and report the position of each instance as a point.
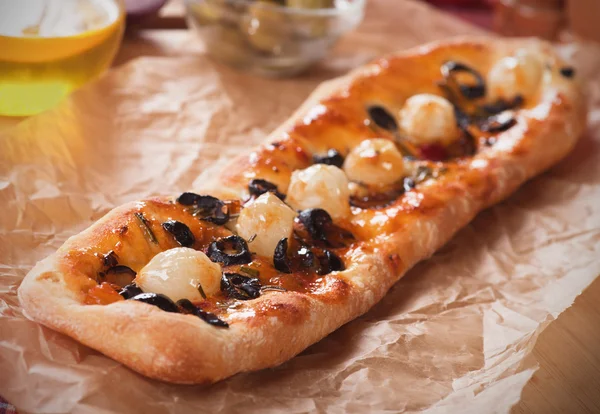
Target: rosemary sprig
(249, 271)
(201, 290)
(145, 227)
(273, 287)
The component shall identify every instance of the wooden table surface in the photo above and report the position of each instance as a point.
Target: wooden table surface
(568, 351)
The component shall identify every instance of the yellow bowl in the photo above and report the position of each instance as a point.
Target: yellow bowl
(41, 63)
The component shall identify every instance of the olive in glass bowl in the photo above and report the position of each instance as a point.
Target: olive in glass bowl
(272, 37)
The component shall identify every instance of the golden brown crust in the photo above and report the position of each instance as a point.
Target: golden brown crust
(278, 325)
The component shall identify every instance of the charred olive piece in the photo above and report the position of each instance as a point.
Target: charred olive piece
(240, 287)
(230, 250)
(382, 118)
(315, 220)
(280, 259)
(182, 233)
(468, 91)
(258, 187)
(567, 71)
(331, 158)
(498, 123)
(502, 105)
(119, 275)
(110, 259)
(329, 262)
(210, 318)
(205, 207)
(157, 300)
(130, 291)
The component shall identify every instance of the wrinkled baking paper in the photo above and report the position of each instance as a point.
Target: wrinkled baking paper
(452, 336)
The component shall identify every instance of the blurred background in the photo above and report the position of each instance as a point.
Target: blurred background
(50, 47)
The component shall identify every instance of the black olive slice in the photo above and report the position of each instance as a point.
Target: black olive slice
(335, 262)
(130, 291)
(408, 183)
(210, 318)
(119, 275)
(315, 221)
(463, 120)
(187, 305)
(385, 120)
(567, 71)
(307, 257)
(189, 199)
(331, 158)
(110, 259)
(502, 105)
(330, 262)
(280, 259)
(205, 207)
(468, 144)
(382, 118)
(240, 287)
(182, 233)
(467, 140)
(122, 269)
(258, 187)
(468, 91)
(498, 123)
(229, 250)
(158, 300)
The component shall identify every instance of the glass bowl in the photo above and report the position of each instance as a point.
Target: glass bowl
(269, 38)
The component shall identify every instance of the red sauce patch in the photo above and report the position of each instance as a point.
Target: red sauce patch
(433, 152)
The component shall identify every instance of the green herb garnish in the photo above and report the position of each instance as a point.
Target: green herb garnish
(273, 287)
(146, 227)
(249, 271)
(199, 287)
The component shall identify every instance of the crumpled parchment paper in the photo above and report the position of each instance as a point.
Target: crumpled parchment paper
(452, 336)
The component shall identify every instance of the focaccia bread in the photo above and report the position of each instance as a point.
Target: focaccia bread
(375, 172)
